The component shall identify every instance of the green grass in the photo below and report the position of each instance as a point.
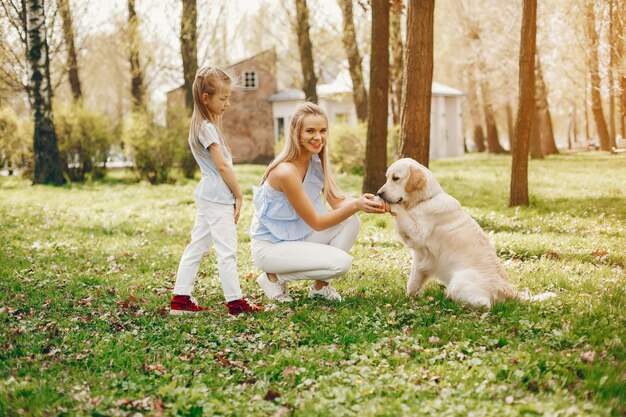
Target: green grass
(86, 273)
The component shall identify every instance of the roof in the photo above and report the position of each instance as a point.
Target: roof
(343, 85)
(443, 90)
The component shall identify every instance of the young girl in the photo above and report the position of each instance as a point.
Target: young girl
(218, 198)
(293, 236)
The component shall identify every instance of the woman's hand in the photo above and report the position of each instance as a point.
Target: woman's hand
(370, 203)
(238, 201)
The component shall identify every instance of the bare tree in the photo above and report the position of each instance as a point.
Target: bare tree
(309, 82)
(47, 166)
(136, 71)
(594, 72)
(548, 145)
(620, 61)
(189, 47)
(72, 60)
(354, 60)
(397, 59)
(526, 104)
(378, 108)
(417, 83)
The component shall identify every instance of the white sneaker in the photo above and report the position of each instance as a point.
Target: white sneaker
(328, 292)
(276, 291)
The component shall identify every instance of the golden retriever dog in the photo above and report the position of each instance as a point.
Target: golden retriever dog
(445, 242)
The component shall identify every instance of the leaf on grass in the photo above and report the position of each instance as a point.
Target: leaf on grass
(129, 303)
(433, 340)
(289, 371)
(271, 395)
(130, 255)
(224, 361)
(588, 357)
(600, 256)
(282, 411)
(157, 367)
(86, 301)
(7, 309)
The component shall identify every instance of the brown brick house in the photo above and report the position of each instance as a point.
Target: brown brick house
(248, 124)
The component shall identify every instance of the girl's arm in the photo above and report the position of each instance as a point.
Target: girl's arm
(228, 175)
(285, 178)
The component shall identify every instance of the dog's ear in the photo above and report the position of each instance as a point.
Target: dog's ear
(416, 180)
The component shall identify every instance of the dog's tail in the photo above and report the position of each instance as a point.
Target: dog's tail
(527, 296)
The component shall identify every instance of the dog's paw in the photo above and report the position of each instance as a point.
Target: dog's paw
(412, 291)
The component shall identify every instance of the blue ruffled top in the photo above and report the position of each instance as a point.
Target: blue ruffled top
(275, 219)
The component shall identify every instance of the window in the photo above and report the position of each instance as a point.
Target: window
(280, 129)
(250, 80)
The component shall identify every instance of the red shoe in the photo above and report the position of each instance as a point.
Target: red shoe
(243, 306)
(185, 304)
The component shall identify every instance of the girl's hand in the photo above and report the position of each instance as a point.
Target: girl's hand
(369, 203)
(238, 201)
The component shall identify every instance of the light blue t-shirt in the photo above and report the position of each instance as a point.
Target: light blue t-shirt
(274, 217)
(212, 186)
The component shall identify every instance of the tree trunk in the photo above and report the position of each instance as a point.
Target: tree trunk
(397, 60)
(47, 164)
(575, 124)
(354, 60)
(596, 99)
(189, 55)
(509, 125)
(622, 102)
(309, 80)
(137, 82)
(378, 107)
(479, 138)
(546, 131)
(587, 134)
(417, 83)
(536, 148)
(620, 61)
(493, 141)
(613, 67)
(72, 60)
(189, 48)
(525, 107)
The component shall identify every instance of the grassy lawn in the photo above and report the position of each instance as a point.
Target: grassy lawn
(86, 273)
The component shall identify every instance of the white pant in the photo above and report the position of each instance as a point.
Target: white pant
(321, 255)
(215, 224)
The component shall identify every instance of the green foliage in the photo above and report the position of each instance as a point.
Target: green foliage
(16, 141)
(178, 130)
(84, 139)
(347, 146)
(84, 291)
(154, 148)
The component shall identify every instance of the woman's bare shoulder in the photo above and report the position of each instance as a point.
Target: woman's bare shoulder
(281, 174)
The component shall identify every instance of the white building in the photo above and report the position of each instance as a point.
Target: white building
(446, 117)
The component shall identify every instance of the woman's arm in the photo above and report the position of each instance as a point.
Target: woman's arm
(285, 178)
(228, 175)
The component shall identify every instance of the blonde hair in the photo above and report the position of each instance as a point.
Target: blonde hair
(293, 149)
(209, 80)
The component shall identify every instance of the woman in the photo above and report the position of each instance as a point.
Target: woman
(293, 236)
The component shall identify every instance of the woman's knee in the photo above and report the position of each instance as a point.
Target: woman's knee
(342, 263)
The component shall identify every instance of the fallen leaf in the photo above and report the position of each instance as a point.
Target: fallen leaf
(271, 395)
(588, 357)
(433, 340)
(289, 371)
